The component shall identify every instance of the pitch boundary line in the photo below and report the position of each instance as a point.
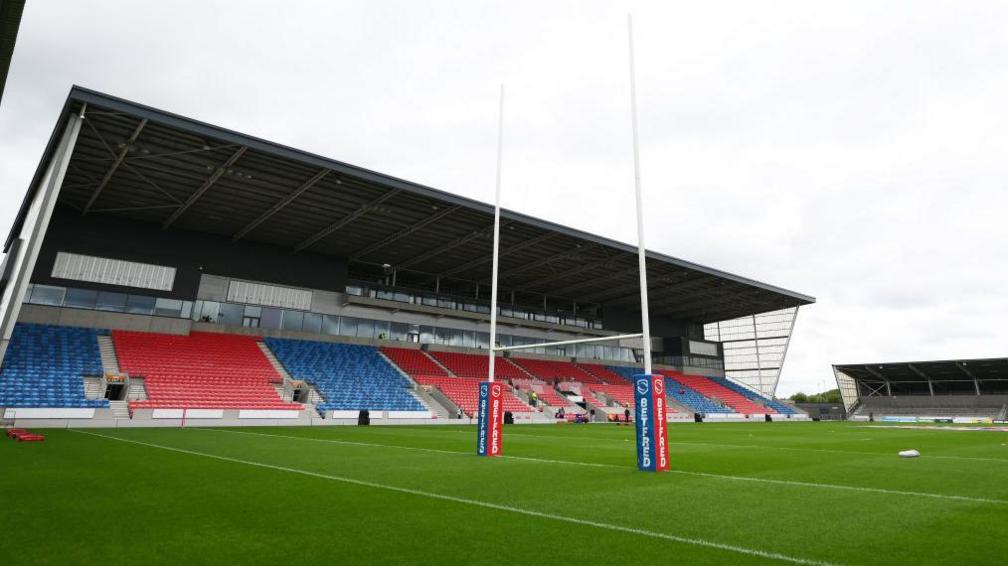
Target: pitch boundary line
(795, 483)
(484, 504)
(760, 447)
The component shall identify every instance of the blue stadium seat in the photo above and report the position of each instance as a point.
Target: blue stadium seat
(349, 376)
(782, 408)
(44, 366)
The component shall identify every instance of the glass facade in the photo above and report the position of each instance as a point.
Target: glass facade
(233, 314)
(755, 347)
(481, 306)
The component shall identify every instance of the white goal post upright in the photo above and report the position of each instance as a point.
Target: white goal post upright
(641, 255)
(496, 237)
(490, 395)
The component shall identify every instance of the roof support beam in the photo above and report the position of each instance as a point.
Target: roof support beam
(682, 293)
(405, 232)
(615, 274)
(569, 273)
(568, 254)
(670, 285)
(924, 375)
(503, 252)
(119, 158)
(888, 389)
(361, 211)
(447, 247)
(976, 382)
(281, 204)
(653, 282)
(204, 187)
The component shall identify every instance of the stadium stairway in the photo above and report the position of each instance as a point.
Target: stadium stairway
(120, 409)
(551, 371)
(284, 389)
(712, 389)
(413, 362)
(45, 366)
(777, 406)
(109, 360)
(477, 366)
(440, 409)
(602, 373)
(462, 392)
(200, 371)
(435, 371)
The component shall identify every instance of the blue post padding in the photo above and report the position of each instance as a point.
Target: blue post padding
(482, 418)
(643, 410)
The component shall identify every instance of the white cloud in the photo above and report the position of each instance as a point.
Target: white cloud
(852, 151)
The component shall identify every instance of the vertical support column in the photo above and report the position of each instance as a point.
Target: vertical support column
(759, 364)
(24, 254)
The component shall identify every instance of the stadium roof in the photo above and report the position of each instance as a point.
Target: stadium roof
(150, 165)
(941, 370)
(10, 21)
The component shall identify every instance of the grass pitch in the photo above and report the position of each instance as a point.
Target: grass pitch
(811, 493)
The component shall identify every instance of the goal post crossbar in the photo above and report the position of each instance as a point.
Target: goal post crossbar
(568, 342)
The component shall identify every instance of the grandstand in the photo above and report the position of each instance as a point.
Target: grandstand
(161, 269)
(966, 390)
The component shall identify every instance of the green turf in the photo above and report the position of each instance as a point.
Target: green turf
(78, 498)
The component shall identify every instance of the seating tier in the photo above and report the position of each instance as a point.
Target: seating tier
(713, 390)
(348, 376)
(201, 370)
(45, 365)
(603, 373)
(554, 370)
(781, 408)
(413, 362)
(464, 392)
(478, 366)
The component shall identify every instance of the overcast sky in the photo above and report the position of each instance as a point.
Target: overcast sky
(853, 151)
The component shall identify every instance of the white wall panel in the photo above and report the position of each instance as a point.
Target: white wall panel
(109, 271)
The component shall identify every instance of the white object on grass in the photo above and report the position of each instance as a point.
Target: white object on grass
(909, 454)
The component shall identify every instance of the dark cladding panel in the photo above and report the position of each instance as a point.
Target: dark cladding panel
(191, 253)
(623, 320)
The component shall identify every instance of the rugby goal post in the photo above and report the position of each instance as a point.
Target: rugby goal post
(649, 396)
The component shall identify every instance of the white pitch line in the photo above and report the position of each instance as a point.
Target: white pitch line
(793, 483)
(414, 448)
(484, 504)
(744, 446)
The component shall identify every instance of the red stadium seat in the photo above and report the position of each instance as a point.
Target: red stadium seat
(413, 362)
(552, 370)
(476, 365)
(202, 370)
(463, 391)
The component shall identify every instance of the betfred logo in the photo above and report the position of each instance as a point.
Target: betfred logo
(482, 419)
(496, 390)
(642, 386)
(659, 386)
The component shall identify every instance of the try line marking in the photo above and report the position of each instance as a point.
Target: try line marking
(792, 483)
(750, 446)
(484, 504)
